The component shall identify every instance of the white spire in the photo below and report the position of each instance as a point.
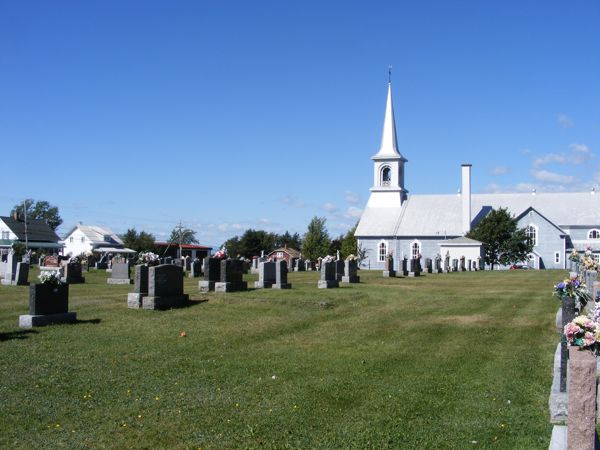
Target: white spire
(389, 145)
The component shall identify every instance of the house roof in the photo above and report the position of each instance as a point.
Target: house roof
(96, 234)
(461, 241)
(37, 229)
(440, 215)
(184, 246)
(290, 251)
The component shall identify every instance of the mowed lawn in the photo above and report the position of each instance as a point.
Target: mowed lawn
(458, 360)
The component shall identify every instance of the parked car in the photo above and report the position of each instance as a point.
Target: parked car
(519, 266)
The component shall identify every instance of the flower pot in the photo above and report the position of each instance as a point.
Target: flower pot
(48, 299)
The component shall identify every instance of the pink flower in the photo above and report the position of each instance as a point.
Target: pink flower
(571, 330)
(589, 339)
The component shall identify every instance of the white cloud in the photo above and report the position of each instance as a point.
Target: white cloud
(564, 121)
(292, 201)
(225, 227)
(500, 170)
(353, 212)
(352, 197)
(546, 176)
(578, 154)
(524, 187)
(330, 207)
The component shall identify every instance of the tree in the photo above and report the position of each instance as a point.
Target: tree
(503, 242)
(316, 239)
(180, 235)
(140, 242)
(349, 244)
(335, 245)
(288, 240)
(251, 243)
(38, 210)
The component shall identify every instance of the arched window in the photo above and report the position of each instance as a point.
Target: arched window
(415, 250)
(382, 251)
(531, 232)
(386, 176)
(594, 234)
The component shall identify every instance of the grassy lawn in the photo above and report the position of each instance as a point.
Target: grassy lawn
(443, 361)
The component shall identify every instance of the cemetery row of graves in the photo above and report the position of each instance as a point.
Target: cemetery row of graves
(157, 284)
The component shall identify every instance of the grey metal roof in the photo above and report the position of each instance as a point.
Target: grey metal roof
(95, 234)
(440, 215)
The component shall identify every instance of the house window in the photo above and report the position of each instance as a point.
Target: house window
(71, 239)
(6, 235)
(386, 176)
(82, 238)
(556, 257)
(279, 254)
(415, 250)
(382, 251)
(531, 232)
(596, 257)
(594, 234)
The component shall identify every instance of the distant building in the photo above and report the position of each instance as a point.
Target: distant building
(92, 238)
(284, 253)
(191, 250)
(409, 225)
(36, 234)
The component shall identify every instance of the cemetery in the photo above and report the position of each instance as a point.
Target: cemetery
(357, 366)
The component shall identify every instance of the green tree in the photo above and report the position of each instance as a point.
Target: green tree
(181, 235)
(288, 240)
(316, 239)
(251, 243)
(349, 243)
(503, 242)
(38, 210)
(140, 242)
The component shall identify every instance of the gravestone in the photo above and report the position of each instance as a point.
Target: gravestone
(165, 288)
(281, 273)
(120, 274)
(266, 275)
(212, 274)
(10, 270)
(582, 400)
(292, 264)
(339, 269)
(232, 274)
(462, 264)
(195, 268)
(350, 272)
(48, 304)
(438, 265)
(428, 265)
(405, 267)
(187, 264)
(481, 263)
(300, 266)
(447, 268)
(51, 261)
(140, 287)
(177, 262)
(415, 267)
(328, 279)
(308, 264)
(469, 265)
(168, 260)
(388, 268)
(454, 265)
(73, 273)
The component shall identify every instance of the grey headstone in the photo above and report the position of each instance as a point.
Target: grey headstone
(140, 287)
(428, 265)
(350, 272)
(455, 265)
(120, 274)
(328, 278)
(388, 267)
(232, 276)
(281, 273)
(266, 275)
(165, 287)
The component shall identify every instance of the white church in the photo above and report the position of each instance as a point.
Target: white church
(407, 225)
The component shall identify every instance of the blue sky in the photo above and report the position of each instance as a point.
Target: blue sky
(231, 115)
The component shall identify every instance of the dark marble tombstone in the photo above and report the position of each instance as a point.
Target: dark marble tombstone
(428, 265)
(415, 267)
(281, 273)
(48, 304)
(300, 266)
(73, 273)
(195, 268)
(232, 276)
(140, 287)
(455, 265)
(405, 267)
(462, 264)
(350, 272)
(212, 274)
(328, 278)
(339, 269)
(266, 275)
(22, 276)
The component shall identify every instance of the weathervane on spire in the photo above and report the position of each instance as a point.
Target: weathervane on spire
(390, 73)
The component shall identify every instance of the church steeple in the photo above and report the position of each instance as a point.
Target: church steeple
(388, 162)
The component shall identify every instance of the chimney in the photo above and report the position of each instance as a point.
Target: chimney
(466, 198)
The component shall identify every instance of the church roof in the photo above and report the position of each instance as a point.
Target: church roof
(440, 215)
(389, 144)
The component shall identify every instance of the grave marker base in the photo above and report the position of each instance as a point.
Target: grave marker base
(158, 303)
(231, 287)
(206, 286)
(134, 300)
(559, 401)
(414, 274)
(328, 284)
(389, 273)
(29, 320)
(262, 284)
(6, 282)
(281, 286)
(351, 279)
(119, 281)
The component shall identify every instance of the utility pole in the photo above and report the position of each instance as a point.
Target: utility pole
(25, 216)
(180, 228)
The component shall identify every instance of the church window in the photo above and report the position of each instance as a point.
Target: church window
(415, 250)
(386, 176)
(531, 232)
(382, 251)
(594, 234)
(556, 257)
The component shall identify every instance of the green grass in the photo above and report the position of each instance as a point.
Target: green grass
(443, 361)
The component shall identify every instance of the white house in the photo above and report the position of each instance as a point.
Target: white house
(90, 238)
(409, 225)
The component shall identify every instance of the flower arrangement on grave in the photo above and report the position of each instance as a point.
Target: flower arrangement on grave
(328, 258)
(148, 259)
(351, 257)
(588, 262)
(574, 256)
(573, 287)
(74, 260)
(50, 277)
(583, 332)
(221, 254)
